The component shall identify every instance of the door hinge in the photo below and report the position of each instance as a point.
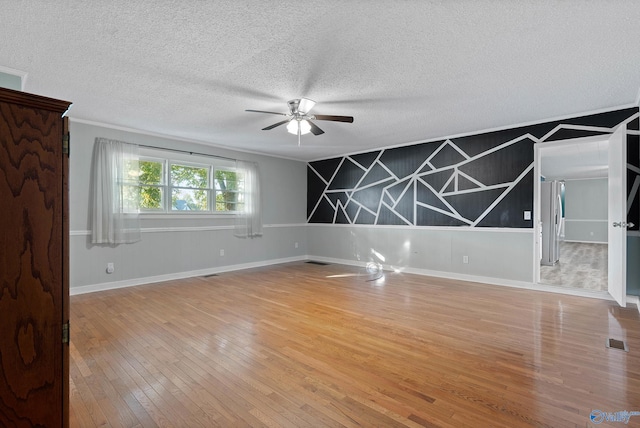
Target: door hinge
(65, 333)
(65, 144)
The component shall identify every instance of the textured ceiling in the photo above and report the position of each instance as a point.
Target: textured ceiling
(407, 71)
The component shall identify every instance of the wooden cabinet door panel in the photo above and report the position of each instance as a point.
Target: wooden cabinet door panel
(31, 267)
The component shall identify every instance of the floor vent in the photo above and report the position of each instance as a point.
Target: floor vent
(617, 344)
(210, 275)
(313, 262)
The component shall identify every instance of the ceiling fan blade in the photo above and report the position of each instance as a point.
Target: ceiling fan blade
(275, 125)
(348, 119)
(270, 112)
(305, 105)
(315, 130)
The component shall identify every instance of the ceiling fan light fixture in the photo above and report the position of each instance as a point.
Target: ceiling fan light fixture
(305, 105)
(299, 121)
(292, 127)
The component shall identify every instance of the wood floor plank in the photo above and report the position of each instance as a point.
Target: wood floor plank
(79, 414)
(301, 345)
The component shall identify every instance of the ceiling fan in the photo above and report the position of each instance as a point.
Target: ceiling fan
(299, 121)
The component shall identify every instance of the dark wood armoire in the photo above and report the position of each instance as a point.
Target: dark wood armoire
(34, 261)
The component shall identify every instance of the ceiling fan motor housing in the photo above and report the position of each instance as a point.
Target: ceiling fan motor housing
(293, 106)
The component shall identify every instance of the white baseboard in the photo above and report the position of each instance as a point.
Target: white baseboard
(602, 295)
(425, 272)
(178, 275)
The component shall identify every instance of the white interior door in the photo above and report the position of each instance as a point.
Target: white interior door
(617, 229)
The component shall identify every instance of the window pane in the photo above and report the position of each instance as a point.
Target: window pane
(229, 187)
(151, 172)
(226, 201)
(189, 176)
(227, 180)
(151, 198)
(226, 184)
(189, 200)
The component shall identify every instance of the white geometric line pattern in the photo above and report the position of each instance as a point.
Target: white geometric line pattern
(439, 205)
(564, 126)
(499, 198)
(451, 209)
(474, 181)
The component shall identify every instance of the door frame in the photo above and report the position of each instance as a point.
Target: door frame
(537, 244)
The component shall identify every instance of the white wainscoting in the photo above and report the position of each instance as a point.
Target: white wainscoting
(178, 252)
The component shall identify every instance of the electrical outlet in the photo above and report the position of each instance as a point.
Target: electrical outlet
(110, 268)
(221, 253)
(465, 259)
(527, 215)
(295, 245)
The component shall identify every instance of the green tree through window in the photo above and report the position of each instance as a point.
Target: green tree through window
(190, 187)
(164, 185)
(151, 180)
(229, 186)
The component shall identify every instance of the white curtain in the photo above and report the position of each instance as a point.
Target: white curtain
(249, 219)
(114, 201)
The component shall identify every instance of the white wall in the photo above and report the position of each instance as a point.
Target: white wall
(186, 246)
(586, 210)
(494, 255)
(176, 248)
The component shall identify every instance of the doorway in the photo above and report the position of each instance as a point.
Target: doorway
(582, 259)
(584, 166)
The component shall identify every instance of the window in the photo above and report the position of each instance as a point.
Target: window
(190, 187)
(229, 187)
(151, 184)
(188, 183)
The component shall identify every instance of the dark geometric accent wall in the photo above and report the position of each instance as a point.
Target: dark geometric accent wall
(483, 180)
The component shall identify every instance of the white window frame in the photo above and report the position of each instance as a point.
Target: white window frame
(168, 158)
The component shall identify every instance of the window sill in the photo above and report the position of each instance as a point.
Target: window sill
(184, 215)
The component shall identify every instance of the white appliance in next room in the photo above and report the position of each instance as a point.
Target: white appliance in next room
(551, 219)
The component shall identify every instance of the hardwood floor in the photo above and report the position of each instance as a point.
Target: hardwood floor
(302, 345)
